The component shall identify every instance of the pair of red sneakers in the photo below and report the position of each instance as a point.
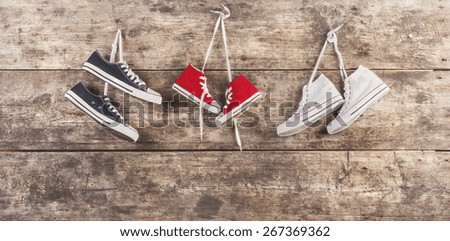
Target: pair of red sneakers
(240, 94)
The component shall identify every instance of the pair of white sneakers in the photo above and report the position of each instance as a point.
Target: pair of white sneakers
(320, 97)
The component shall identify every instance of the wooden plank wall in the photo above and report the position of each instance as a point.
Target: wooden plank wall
(391, 164)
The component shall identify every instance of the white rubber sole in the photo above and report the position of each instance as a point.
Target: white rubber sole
(352, 114)
(125, 130)
(237, 110)
(283, 130)
(195, 99)
(152, 96)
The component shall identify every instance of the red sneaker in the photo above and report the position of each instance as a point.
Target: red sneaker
(192, 85)
(240, 94)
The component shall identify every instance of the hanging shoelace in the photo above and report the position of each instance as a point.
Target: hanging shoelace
(203, 79)
(229, 92)
(122, 64)
(331, 38)
(113, 109)
(112, 57)
(347, 88)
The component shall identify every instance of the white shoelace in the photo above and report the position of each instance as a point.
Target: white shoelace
(228, 97)
(109, 105)
(220, 22)
(204, 86)
(112, 57)
(202, 98)
(127, 70)
(203, 79)
(331, 38)
(222, 17)
(347, 87)
(134, 77)
(112, 108)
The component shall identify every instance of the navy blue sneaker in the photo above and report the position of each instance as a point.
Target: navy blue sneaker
(120, 76)
(99, 107)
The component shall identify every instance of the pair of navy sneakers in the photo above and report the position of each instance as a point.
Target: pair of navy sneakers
(119, 75)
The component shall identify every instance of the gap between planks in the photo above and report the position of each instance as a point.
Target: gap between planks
(269, 70)
(219, 150)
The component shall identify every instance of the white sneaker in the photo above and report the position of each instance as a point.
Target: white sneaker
(362, 89)
(321, 99)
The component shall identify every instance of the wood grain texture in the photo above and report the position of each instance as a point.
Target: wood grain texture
(225, 186)
(58, 164)
(262, 34)
(414, 115)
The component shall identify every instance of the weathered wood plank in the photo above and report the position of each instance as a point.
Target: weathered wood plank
(262, 34)
(225, 186)
(414, 115)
